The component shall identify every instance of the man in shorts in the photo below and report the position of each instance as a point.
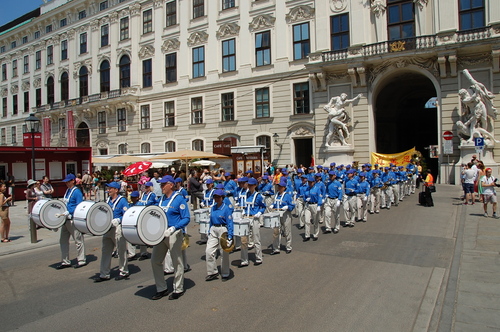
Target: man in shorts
(489, 193)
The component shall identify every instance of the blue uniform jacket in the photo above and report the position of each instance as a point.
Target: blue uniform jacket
(351, 187)
(147, 199)
(314, 195)
(281, 200)
(222, 215)
(254, 204)
(119, 206)
(377, 182)
(334, 189)
(267, 189)
(230, 187)
(177, 212)
(364, 188)
(73, 197)
(208, 197)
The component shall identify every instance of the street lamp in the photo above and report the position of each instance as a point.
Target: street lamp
(276, 137)
(33, 125)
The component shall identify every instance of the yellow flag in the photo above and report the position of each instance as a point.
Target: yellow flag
(399, 159)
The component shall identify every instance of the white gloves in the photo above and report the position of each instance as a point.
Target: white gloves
(202, 205)
(308, 199)
(169, 231)
(65, 213)
(318, 208)
(115, 222)
(295, 193)
(258, 214)
(284, 208)
(229, 242)
(337, 204)
(365, 198)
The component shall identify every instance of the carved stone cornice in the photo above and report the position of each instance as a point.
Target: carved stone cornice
(169, 45)
(430, 64)
(197, 38)
(338, 5)
(299, 14)
(261, 22)
(378, 7)
(103, 56)
(147, 51)
(62, 70)
(228, 30)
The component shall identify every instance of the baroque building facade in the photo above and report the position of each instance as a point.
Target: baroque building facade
(162, 75)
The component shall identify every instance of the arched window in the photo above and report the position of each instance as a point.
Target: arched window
(122, 148)
(64, 86)
(145, 148)
(50, 90)
(125, 71)
(198, 145)
(170, 146)
(105, 76)
(266, 141)
(84, 81)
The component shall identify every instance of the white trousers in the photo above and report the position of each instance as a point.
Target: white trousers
(113, 238)
(375, 199)
(350, 207)
(331, 210)
(286, 227)
(67, 230)
(255, 228)
(311, 216)
(362, 206)
(211, 252)
(173, 243)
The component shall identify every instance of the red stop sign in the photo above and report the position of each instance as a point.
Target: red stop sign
(448, 135)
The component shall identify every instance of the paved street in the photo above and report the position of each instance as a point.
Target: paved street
(408, 269)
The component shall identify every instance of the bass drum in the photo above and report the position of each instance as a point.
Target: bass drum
(93, 218)
(44, 213)
(144, 225)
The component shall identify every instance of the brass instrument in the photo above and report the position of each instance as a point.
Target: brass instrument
(185, 242)
(223, 243)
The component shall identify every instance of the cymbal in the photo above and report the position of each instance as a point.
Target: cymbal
(185, 242)
(223, 243)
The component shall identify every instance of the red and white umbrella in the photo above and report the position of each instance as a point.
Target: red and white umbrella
(137, 168)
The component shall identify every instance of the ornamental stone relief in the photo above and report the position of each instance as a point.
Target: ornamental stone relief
(37, 82)
(338, 5)
(300, 13)
(377, 7)
(25, 86)
(5, 92)
(429, 64)
(468, 61)
(146, 51)
(421, 3)
(135, 9)
(87, 63)
(14, 89)
(228, 30)
(171, 44)
(197, 38)
(262, 22)
(113, 17)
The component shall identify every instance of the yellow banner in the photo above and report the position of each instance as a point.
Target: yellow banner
(399, 159)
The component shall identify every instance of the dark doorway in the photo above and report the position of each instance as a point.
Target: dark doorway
(83, 135)
(402, 121)
(303, 151)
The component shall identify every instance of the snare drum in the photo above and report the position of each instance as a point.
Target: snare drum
(272, 220)
(93, 218)
(204, 226)
(241, 227)
(201, 214)
(237, 214)
(144, 225)
(44, 213)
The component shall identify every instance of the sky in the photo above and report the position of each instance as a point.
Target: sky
(12, 9)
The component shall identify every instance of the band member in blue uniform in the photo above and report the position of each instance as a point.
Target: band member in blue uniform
(300, 203)
(254, 208)
(314, 200)
(221, 220)
(230, 187)
(363, 195)
(266, 190)
(350, 204)
(375, 191)
(114, 236)
(148, 197)
(178, 217)
(334, 196)
(387, 196)
(72, 198)
(283, 201)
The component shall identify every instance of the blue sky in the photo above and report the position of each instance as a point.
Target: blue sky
(12, 9)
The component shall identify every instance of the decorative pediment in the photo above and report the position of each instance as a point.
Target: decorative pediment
(262, 22)
(63, 69)
(102, 143)
(49, 73)
(87, 63)
(378, 7)
(228, 30)
(135, 9)
(338, 5)
(113, 17)
(300, 13)
(197, 38)
(124, 12)
(5, 92)
(37, 82)
(83, 28)
(104, 20)
(301, 131)
(102, 57)
(14, 89)
(94, 25)
(25, 86)
(158, 3)
(170, 45)
(123, 51)
(147, 51)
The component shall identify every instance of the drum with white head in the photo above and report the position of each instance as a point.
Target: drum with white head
(144, 225)
(271, 220)
(237, 214)
(204, 226)
(48, 213)
(201, 214)
(93, 217)
(241, 227)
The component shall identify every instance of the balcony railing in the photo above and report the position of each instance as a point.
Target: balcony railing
(475, 34)
(78, 101)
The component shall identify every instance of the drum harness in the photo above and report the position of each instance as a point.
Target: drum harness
(115, 203)
(176, 193)
(252, 203)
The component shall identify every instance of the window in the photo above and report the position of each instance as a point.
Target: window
(145, 117)
(197, 145)
(13, 44)
(301, 98)
(301, 42)
(25, 39)
(26, 64)
(471, 14)
(50, 55)
(171, 13)
(121, 119)
(38, 97)
(125, 71)
(26, 101)
(64, 50)
(400, 19)
(124, 28)
(227, 103)
(83, 76)
(82, 14)
(340, 32)
(3, 135)
(15, 106)
(103, 5)
(170, 146)
(63, 23)
(103, 152)
(199, 61)
(4, 71)
(197, 110)
(262, 103)
(169, 113)
(228, 55)
(198, 8)
(101, 122)
(38, 59)
(147, 73)
(64, 86)
(171, 67)
(266, 141)
(147, 21)
(36, 35)
(145, 148)
(226, 4)
(122, 149)
(4, 107)
(2, 49)
(104, 71)
(263, 48)
(48, 28)
(104, 35)
(14, 68)
(13, 131)
(62, 127)
(50, 90)
(83, 43)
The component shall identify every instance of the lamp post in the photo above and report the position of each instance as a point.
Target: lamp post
(33, 125)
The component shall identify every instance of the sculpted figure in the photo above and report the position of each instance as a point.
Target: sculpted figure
(338, 118)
